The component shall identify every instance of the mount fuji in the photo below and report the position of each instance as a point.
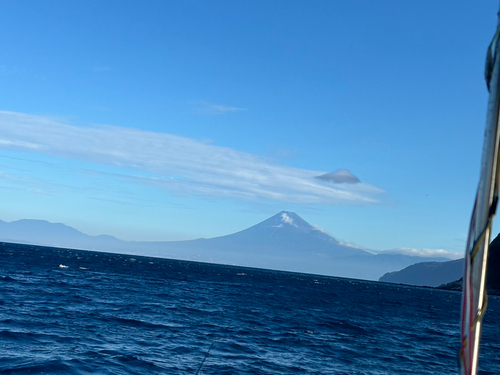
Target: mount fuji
(284, 234)
(283, 242)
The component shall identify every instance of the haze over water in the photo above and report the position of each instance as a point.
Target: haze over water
(78, 312)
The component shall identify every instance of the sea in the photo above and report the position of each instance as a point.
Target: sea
(66, 311)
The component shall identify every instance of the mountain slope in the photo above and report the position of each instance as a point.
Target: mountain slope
(283, 242)
(427, 273)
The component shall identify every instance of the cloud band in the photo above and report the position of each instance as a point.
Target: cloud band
(179, 164)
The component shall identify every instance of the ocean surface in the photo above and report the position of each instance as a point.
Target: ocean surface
(80, 312)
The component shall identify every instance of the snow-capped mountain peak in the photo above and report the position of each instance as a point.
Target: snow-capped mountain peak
(287, 219)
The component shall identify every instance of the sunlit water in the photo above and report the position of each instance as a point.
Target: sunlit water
(77, 312)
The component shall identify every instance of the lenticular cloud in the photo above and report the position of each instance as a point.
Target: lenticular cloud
(181, 164)
(340, 176)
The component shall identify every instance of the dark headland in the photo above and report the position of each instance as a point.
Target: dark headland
(448, 275)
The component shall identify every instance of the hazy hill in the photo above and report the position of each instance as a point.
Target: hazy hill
(284, 242)
(41, 232)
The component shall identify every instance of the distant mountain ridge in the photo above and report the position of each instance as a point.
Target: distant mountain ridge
(283, 242)
(42, 232)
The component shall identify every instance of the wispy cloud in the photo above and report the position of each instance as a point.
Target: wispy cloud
(178, 164)
(34, 185)
(352, 244)
(217, 109)
(425, 253)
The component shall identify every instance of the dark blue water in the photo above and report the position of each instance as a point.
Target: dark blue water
(79, 312)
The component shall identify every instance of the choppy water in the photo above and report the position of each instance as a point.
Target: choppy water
(78, 312)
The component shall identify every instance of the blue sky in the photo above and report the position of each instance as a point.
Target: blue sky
(165, 120)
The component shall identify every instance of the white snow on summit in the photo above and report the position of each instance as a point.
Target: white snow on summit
(287, 219)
